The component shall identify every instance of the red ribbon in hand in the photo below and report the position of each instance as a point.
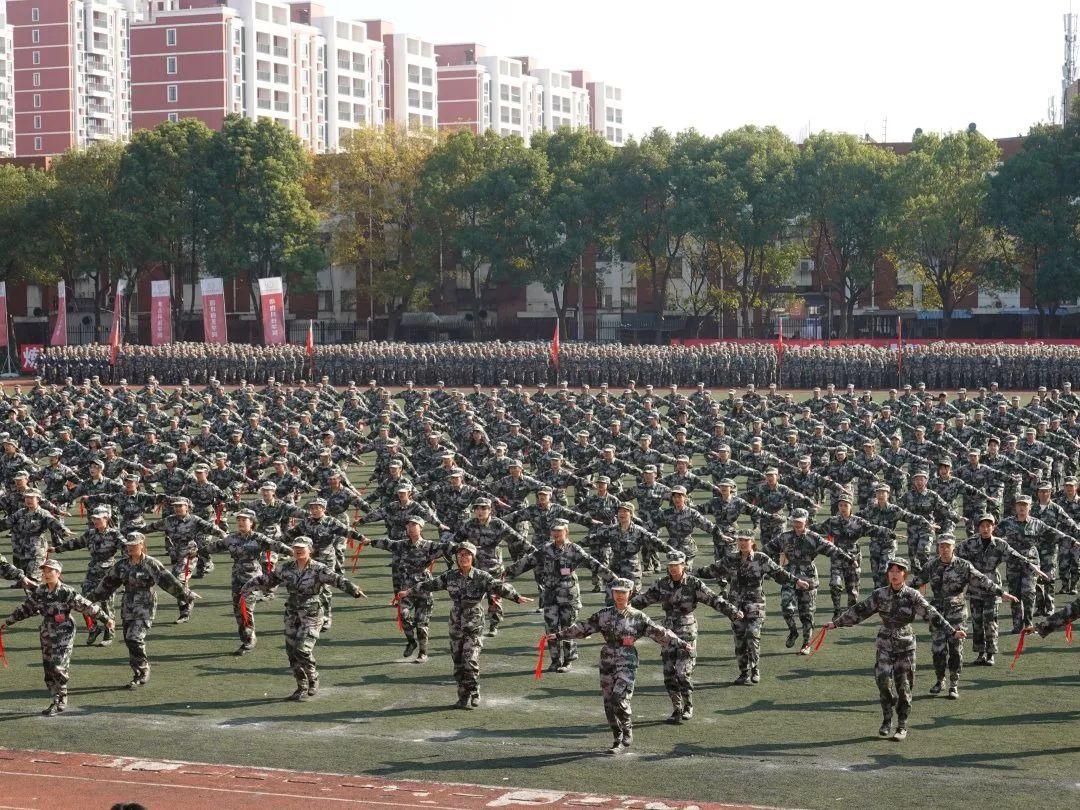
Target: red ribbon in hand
(396, 602)
(356, 556)
(1020, 646)
(245, 614)
(269, 563)
(1068, 632)
(818, 640)
(3, 655)
(540, 649)
(187, 568)
(219, 510)
(89, 622)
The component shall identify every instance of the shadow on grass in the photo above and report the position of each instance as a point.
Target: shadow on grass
(994, 761)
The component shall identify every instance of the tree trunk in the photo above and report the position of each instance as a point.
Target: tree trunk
(849, 317)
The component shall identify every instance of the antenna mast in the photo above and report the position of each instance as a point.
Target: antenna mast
(1068, 69)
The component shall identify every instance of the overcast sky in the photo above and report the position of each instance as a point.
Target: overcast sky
(861, 66)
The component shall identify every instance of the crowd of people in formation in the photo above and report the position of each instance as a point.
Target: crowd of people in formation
(686, 499)
(946, 364)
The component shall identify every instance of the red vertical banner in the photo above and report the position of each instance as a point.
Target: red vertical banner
(899, 350)
(160, 312)
(59, 334)
(3, 315)
(555, 346)
(273, 310)
(116, 331)
(213, 310)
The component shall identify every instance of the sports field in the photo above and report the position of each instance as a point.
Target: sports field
(805, 736)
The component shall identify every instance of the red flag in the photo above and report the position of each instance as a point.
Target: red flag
(311, 346)
(245, 614)
(115, 331)
(540, 648)
(555, 346)
(89, 622)
(899, 348)
(396, 602)
(1068, 632)
(3, 655)
(269, 563)
(780, 336)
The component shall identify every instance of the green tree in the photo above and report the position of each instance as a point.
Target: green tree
(845, 186)
(376, 217)
(264, 225)
(653, 208)
(944, 231)
(744, 186)
(23, 240)
(1034, 200)
(88, 231)
(167, 185)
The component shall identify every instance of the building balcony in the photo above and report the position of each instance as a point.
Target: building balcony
(281, 106)
(97, 131)
(98, 66)
(262, 75)
(98, 88)
(263, 103)
(262, 47)
(280, 50)
(280, 78)
(99, 109)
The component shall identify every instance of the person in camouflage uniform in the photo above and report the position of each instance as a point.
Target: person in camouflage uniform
(27, 526)
(894, 667)
(882, 512)
(411, 558)
(487, 534)
(55, 601)
(468, 587)
(140, 575)
(184, 535)
(745, 572)
(104, 543)
(621, 626)
(556, 563)
(949, 578)
(1064, 615)
(680, 520)
(679, 594)
(1026, 535)
(328, 537)
(928, 504)
(844, 529)
(798, 547)
(304, 578)
(251, 554)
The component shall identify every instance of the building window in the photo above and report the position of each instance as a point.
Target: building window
(36, 80)
(35, 15)
(326, 300)
(36, 56)
(37, 101)
(173, 91)
(37, 144)
(35, 36)
(37, 122)
(170, 65)
(170, 36)
(174, 117)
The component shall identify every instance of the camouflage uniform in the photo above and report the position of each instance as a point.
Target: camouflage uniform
(103, 547)
(560, 594)
(139, 604)
(619, 658)
(27, 526)
(845, 533)
(467, 593)
(183, 536)
(57, 631)
(488, 537)
(800, 550)
(745, 576)
(949, 583)
(680, 599)
(894, 666)
(1025, 538)
(304, 616)
(251, 555)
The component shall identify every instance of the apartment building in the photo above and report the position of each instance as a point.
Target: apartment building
(353, 72)
(464, 87)
(564, 104)
(7, 89)
(605, 107)
(408, 78)
(187, 63)
(71, 72)
(516, 98)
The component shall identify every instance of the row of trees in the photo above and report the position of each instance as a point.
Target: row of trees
(410, 212)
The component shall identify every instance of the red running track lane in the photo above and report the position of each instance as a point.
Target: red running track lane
(57, 781)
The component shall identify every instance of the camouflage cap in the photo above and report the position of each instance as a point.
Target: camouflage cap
(621, 584)
(302, 542)
(315, 502)
(676, 558)
(419, 521)
(899, 562)
(467, 546)
(55, 565)
(246, 513)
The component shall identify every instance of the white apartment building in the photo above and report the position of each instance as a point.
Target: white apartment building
(415, 102)
(607, 112)
(564, 104)
(7, 88)
(517, 99)
(354, 77)
(309, 86)
(268, 60)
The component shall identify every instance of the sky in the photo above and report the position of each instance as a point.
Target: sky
(860, 66)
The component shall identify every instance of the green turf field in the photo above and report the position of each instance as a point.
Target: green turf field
(806, 736)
